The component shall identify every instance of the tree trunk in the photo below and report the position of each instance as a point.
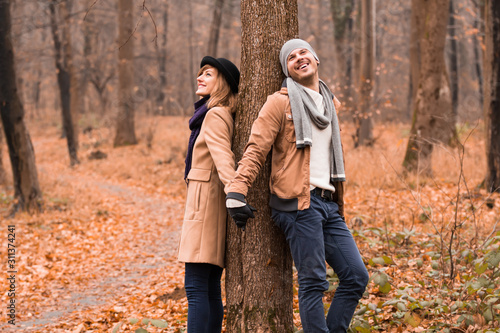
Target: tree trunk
(125, 126)
(414, 57)
(65, 75)
(161, 53)
(453, 61)
(3, 175)
(90, 36)
(343, 36)
(258, 262)
(364, 120)
(478, 51)
(432, 119)
(22, 157)
(213, 40)
(191, 65)
(492, 94)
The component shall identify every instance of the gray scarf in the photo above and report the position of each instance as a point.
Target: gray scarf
(304, 111)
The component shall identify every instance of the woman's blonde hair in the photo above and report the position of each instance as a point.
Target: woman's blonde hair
(222, 95)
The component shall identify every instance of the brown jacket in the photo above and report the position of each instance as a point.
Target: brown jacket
(290, 177)
(203, 235)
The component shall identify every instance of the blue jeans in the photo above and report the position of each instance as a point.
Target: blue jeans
(314, 235)
(205, 309)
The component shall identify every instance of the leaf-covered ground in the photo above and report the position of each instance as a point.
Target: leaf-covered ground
(102, 254)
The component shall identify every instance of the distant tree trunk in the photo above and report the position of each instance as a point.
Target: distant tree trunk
(161, 54)
(213, 39)
(125, 125)
(453, 61)
(364, 120)
(65, 75)
(492, 94)
(191, 67)
(22, 156)
(343, 38)
(258, 261)
(90, 34)
(432, 119)
(478, 51)
(414, 58)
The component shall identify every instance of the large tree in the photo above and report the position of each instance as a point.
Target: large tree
(22, 156)
(492, 94)
(258, 261)
(125, 124)
(432, 113)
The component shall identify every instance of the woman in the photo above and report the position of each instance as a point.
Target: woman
(209, 168)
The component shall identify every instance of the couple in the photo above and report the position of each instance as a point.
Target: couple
(300, 123)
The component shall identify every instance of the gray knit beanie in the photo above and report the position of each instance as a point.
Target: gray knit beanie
(291, 45)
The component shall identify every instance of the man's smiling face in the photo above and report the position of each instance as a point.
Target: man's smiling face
(302, 66)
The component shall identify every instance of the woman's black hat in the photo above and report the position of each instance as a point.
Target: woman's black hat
(227, 68)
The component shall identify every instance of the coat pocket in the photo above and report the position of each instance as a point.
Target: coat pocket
(197, 194)
(289, 127)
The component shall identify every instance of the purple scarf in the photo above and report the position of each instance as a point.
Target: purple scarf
(200, 111)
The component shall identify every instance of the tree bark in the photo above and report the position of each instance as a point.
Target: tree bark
(213, 39)
(432, 119)
(492, 94)
(258, 262)
(364, 120)
(343, 36)
(22, 157)
(125, 124)
(65, 75)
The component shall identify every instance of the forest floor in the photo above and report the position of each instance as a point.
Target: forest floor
(102, 255)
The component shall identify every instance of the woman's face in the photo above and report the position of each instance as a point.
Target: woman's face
(206, 81)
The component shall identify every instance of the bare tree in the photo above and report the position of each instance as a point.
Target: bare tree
(213, 39)
(432, 118)
(364, 120)
(66, 76)
(125, 123)
(492, 94)
(258, 261)
(22, 157)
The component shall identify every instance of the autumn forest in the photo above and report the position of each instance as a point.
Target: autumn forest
(95, 99)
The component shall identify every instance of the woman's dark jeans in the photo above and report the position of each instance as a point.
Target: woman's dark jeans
(317, 234)
(205, 309)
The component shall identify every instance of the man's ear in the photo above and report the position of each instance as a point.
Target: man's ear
(317, 61)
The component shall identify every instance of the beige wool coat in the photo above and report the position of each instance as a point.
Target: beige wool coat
(203, 237)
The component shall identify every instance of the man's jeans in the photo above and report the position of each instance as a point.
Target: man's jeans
(314, 235)
(205, 309)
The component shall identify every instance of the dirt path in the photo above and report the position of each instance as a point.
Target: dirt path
(153, 250)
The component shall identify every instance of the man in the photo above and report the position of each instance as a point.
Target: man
(300, 123)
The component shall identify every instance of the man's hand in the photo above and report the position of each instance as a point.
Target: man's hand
(239, 210)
